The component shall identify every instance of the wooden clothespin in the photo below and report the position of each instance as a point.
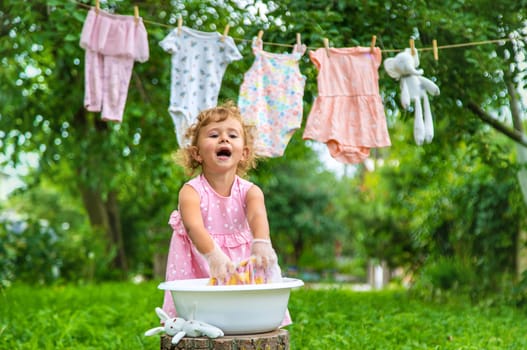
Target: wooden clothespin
(136, 14)
(412, 47)
(436, 54)
(260, 35)
(225, 32)
(97, 6)
(373, 41)
(326, 45)
(179, 24)
(297, 47)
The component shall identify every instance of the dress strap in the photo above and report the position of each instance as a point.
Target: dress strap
(257, 45)
(299, 48)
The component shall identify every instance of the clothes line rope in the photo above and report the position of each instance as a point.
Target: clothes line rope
(439, 47)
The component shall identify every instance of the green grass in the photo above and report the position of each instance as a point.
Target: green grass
(115, 316)
(394, 320)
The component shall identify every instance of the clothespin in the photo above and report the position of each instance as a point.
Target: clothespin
(436, 54)
(297, 47)
(372, 45)
(412, 47)
(136, 14)
(225, 32)
(179, 24)
(326, 45)
(97, 6)
(260, 35)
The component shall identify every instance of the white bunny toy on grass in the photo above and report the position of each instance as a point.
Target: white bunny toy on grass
(414, 87)
(178, 328)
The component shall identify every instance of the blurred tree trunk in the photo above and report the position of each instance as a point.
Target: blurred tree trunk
(521, 256)
(159, 262)
(102, 209)
(104, 215)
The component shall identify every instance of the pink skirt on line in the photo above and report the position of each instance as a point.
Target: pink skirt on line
(115, 35)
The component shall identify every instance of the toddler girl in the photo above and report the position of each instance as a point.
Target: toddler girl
(222, 218)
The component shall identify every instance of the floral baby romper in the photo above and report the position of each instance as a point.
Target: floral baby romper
(271, 98)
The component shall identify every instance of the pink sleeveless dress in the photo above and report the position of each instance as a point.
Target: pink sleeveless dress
(348, 114)
(225, 219)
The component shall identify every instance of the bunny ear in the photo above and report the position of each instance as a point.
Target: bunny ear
(153, 331)
(162, 314)
(415, 57)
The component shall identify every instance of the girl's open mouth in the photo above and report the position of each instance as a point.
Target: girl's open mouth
(224, 153)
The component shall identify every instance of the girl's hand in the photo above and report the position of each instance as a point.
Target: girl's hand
(220, 266)
(264, 253)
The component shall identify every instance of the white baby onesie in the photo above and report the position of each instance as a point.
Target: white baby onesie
(199, 61)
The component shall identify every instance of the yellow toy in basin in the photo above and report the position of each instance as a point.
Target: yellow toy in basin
(247, 272)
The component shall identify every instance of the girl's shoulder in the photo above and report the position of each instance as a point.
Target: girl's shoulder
(243, 184)
(194, 183)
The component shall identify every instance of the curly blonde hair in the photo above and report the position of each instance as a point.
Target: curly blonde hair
(217, 114)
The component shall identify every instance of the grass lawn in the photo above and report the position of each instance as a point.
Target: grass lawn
(115, 316)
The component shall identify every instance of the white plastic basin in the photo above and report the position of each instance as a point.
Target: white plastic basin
(235, 309)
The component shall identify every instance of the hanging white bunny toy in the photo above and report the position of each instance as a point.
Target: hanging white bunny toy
(414, 87)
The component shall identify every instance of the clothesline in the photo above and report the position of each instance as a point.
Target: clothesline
(438, 47)
(271, 98)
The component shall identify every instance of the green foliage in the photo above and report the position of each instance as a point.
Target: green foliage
(474, 218)
(50, 242)
(33, 251)
(518, 296)
(422, 205)
(116, 315)
(28, 250)
(445, 275)
(303, 223)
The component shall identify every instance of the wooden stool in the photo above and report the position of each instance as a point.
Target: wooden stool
(275, 340)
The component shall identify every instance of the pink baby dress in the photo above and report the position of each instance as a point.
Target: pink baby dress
(348, 114)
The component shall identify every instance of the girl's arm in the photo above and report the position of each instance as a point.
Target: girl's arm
(261, 247)
(257, 213)
(220, 266)
(189, 208)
